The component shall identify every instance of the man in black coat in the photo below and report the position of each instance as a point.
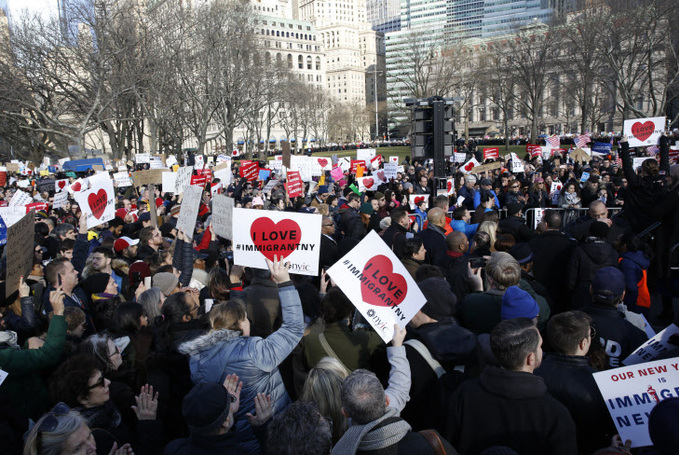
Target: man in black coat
(618, 336)
(329, 251)
(568, 374)
(395, 235)
(515, 224)
(551, 252)
(510, 406)
(456, 264)
(434, 237)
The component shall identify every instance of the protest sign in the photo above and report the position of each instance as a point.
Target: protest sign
(390, 171)
(459, 157)
(414, 199)
(321, 165)
(603, 148)
(264, 174)
(61, 185)
(189, 210)
(367, 184)
(492, 152)
(556, 187)
(344, 163)
(643, 131)
(249, 170)
(336, 173)
(378, 285)
(122, 179)
(142, 158)
(222, 216)
(37, 206)
(294, 236)
(638, 161)
(469, 166)
(533, 150)
(546, 152)
(198, 180)
(169, 181)
(3, 177)
(365, 155)
(198, 162)
(170, 161)
(376, 162)
(295, 185)
(652, 348)
(3, 232)
(674, 154)
(148, 177)
(98, 203)
(45, 185)
(393, 159)
(20, 199)
(579, 155)
(631, 392)
(223, 172)
(450, 186)
(12, 215)
(270, 186)
(486, 167)
(539, 212)
(97, 168)
(156, 162)
(355, 164)
(19, 252)
(517, 166)
(60, 200)
(12, 167)
(183, 179)
(303, 165)
(584, 177)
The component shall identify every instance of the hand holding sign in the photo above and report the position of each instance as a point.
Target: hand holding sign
(279, 271)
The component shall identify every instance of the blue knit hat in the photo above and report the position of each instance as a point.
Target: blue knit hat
(517, 303)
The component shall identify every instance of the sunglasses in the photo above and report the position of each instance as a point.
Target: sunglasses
(100, 383)
(50, 422)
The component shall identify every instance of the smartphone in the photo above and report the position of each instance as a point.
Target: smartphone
(58, 279)
(147, 282)
(476, 263)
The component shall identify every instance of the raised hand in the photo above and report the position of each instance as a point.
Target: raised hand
(233, 386)
(147, 403)
(263, 410)
(279, 271)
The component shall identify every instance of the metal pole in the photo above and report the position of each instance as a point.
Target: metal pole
(375, 88)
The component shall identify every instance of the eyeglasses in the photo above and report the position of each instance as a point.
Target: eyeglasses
(100, 383)
(50, 422)
(592, 331)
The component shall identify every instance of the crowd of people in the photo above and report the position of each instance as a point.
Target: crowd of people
(137, 337)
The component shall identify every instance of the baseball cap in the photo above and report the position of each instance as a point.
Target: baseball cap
(123, 242)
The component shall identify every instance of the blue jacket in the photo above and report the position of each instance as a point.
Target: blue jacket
(255, 360)
(468, 229)
(477, 199)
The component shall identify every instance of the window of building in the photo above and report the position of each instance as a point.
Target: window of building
(300, 62)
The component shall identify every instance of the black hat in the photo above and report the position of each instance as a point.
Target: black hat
(441, 302)
(206, 407)
(146, 216)
(486, 182)
(514, 207)
(96, 283)
(521, 252)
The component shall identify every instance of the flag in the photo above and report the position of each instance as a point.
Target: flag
(652, 150)
(553, 141)
(618, 161)
(582, 140)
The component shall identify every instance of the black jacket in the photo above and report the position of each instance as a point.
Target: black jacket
(395, 238)
(434, 241)
(569, 379)
(509, 408)
(223, 444)
(618, 336)
(589, 257)
(551, 252)
(516, 226)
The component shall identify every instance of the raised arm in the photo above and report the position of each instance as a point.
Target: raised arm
(398, 390)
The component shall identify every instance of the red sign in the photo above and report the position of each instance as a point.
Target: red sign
(249, 170)
(286, 234)
(533, 150)
(355, 163)
(376, 161)
(198, 180)
(3, 178)
(295, 185)
(205, 172)
(493, 152)
(41, 206)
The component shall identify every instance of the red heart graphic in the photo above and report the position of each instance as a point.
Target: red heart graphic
(384, 287)
(469, 166)
(97, 203)
(76, 186)
(380, 175)
(643, 131)
(323, 162)
(235, 153)
(280, 239)
(62, 184)
(368, 183)
(418, 199)
(449, 185)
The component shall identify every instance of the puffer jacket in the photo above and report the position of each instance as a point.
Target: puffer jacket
(253, 359)
(587, 258)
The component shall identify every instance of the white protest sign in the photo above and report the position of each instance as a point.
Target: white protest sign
(199, 161)
(20, 199)
(643, 131)
(344, 163)
(263, 234)
(183, 179)
(222, 216)
(123, 180)
(270, 186)
(60, 200)
(61, 185)
(142, 158)
(302, 164)
(10, 215)
(169, 181)
(189, 210)
(393, 159)
(320, 165)
(415, 199)
(170, 161)
(653, 347)
(555, 187)
(459, 157)
(98, 203)
(450, 186)
(631, 393)
(365, 154)
(539, 213)
(155, 162)
(517, 166)
(469, 166)
(378, 285)
(390, 171)
(223, 172)
(639, 160)
(367, 184)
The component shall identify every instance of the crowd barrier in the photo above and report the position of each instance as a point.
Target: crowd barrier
(533, 216)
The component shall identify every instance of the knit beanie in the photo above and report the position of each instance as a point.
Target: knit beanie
(366, 208)
(206, 407)
(166, 282)
(517, 303)
(96, 283)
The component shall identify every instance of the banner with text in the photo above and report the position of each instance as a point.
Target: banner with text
(641, 132)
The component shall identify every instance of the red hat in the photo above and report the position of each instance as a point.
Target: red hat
(123, 242)
(159, 201)
(121, 213)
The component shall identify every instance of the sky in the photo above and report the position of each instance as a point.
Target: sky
(15, 7)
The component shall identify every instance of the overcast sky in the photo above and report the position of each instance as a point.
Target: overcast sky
(15, 7)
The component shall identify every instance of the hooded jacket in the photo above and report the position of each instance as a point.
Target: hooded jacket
(633, 264)
(589, 257)
(253, 359)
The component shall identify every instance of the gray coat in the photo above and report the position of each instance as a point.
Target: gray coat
(255, 360)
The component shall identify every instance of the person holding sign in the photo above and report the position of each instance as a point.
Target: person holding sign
(229, 349)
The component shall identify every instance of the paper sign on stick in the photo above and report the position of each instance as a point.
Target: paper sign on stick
(261, 235)
(122, 179)
(169, 181)
(222, 216)
(183, 179)
(393, 159)
(631, 393)
(415, 199)
(189, 210)
(378, 285)
(19, 252)
(61, 185)
(98, 203)
(469, 166)
(142, 158)
(653, 347)
(643, 131)
(365, 154)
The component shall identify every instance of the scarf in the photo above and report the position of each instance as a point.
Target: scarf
(360, 437)
(105, 416)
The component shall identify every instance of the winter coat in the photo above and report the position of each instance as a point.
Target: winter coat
(569, 379)
(395, 238)
(516, 226)
(589, 257)
(509, 408)
(468, 229)
(262, 306)
(618, 336)
(253, 359)
(551, 252)
(434, 241)
(633, 264)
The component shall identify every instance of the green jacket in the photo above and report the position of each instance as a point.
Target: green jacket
(25, 386)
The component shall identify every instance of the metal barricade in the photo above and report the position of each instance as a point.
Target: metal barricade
(533, 215)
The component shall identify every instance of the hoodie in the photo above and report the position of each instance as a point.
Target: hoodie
(633, 264)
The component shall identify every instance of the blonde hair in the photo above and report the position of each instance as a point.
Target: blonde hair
(228, 315)
(52, 442)
(323, 386)
(490, 227)
(504, 270)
